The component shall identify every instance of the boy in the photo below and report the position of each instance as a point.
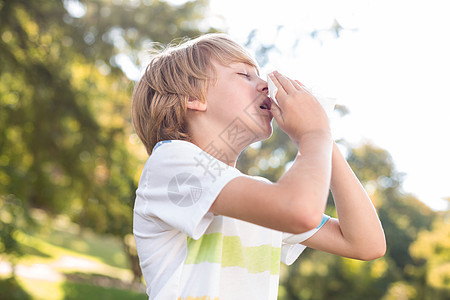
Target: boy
(203, 229)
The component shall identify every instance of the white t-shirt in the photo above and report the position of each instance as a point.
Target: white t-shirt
(185, 251)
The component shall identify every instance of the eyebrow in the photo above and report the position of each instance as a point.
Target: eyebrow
(253, 70)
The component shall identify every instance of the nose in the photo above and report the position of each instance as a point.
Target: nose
(262, 86)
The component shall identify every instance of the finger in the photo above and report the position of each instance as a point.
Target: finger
(276, 112)
(285, 83)
(304, 87)
(298, 82)
(299, 86)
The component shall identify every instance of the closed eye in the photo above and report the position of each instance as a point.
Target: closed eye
(245, 75)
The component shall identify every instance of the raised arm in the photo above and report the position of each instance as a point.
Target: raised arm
(296, 202)
(358, 232)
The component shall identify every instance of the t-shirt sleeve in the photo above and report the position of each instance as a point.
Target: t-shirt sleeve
(179, 184)
(291, 247)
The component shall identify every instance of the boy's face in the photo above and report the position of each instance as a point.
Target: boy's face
(238, 104)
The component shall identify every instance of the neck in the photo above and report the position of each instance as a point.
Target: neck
(225, 143)
(219, 149)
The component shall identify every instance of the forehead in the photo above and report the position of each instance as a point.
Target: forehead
(245, 65)
(236, 66)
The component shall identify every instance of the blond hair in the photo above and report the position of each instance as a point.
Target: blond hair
(174, 76)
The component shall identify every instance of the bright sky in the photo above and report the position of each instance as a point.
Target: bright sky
(393, 73)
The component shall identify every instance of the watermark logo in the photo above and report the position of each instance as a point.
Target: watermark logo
(235, 136)
(184, 189)
(212, 160)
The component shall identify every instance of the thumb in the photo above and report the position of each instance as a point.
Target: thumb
(276, 111)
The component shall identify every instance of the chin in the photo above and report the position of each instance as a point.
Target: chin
(267, 133)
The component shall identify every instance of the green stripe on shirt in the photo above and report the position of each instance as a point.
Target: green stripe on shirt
(229, 252)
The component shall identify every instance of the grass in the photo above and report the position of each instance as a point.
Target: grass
(105, 248)
(45, 290)
(76, 291)
(42, 289)
(75, 266)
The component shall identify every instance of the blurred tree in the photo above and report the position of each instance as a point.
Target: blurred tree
(402, 215)
(432, 251)
(66, 142)
(13, 217)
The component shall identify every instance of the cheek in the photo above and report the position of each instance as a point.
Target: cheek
(231, 99)
(226, 98)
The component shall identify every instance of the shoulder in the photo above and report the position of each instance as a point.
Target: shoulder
(170, 153)
(172, 147)
(181, 160)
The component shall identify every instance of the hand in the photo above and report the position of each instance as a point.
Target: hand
(299, 112)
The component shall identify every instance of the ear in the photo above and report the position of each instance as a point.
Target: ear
(196, 104)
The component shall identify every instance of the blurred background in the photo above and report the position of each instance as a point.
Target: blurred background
(70, 161)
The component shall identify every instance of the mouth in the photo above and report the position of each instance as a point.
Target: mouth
(266, 105)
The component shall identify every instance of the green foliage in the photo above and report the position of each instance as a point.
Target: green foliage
(268, 158)
(402, 215)
(323, 276)
(65, 137)
(11, 290)
(398, 275)
(431, 251)
(66, 141)
(13, 217)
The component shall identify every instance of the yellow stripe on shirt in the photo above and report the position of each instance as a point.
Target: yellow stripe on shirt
(229, 252)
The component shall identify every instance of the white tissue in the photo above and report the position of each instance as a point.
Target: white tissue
(327, 103)
(272, 90)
